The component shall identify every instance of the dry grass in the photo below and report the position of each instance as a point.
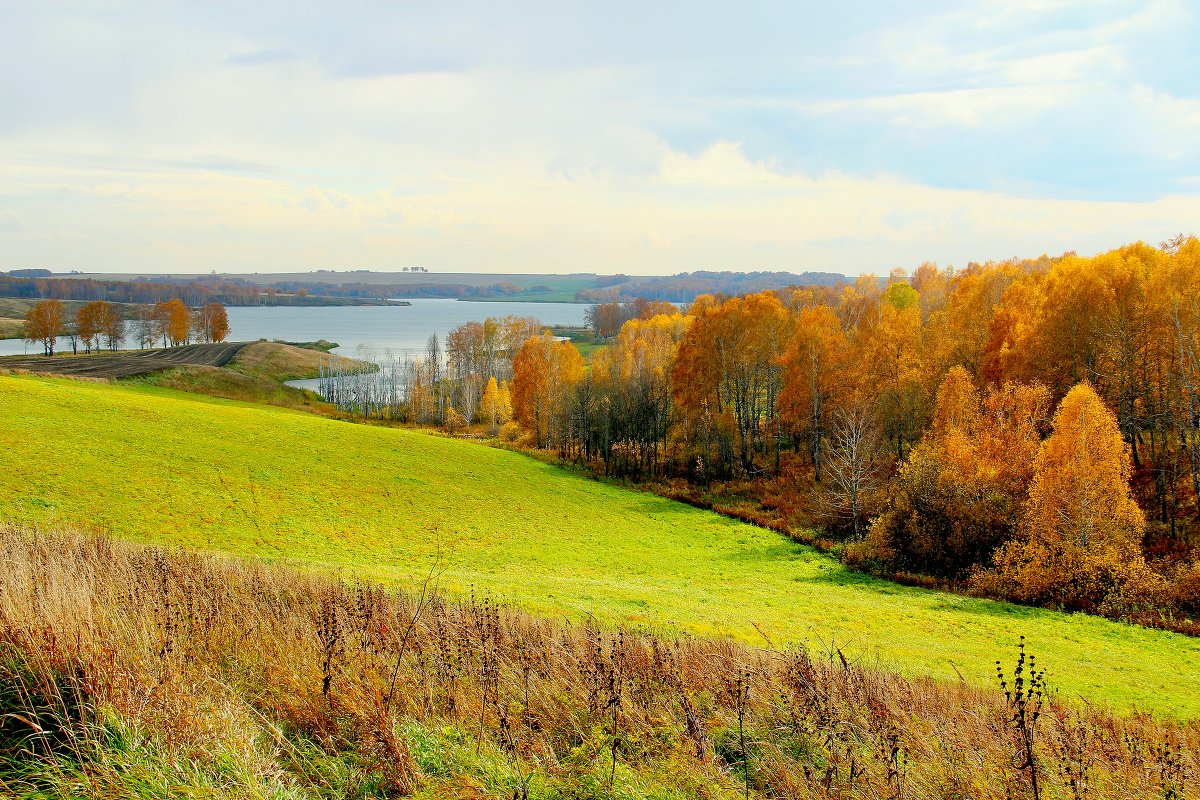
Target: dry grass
(11, 328)
(128, 671)
(279, 361)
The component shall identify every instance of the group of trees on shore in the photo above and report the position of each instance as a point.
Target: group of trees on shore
(101, 324)
(1028, 428)
(467, 382)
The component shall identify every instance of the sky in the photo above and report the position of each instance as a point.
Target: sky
(635, 137)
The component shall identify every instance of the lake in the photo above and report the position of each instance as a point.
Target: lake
(367, 330)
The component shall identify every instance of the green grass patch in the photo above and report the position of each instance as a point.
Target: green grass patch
(152, 464)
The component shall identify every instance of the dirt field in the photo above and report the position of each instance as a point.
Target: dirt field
(125, 365)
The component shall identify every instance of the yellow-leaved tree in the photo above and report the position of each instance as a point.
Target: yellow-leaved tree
(495, 407)
(1080, 530)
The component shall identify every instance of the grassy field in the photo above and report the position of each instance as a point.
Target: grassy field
(151, 464)
(11, 328)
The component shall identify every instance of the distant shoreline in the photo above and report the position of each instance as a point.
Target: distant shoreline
(517, 300)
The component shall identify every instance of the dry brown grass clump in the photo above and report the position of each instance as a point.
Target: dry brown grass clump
(129, 671)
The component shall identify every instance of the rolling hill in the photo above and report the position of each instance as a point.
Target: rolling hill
(155, 465)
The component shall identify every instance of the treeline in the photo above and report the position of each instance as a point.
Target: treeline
(1023, 429)
(198, 291)
(236, 291)
(192, 291)
(686, 286)
(431, 289)
(103, 324)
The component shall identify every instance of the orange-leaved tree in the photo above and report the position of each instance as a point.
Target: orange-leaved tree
(1080, 530)
(44, 323)
(173, 320)
(728, 361)
(89, 323)
(892, 360)
(97, 319)
(816, 377)
(112, 325)
(957, 497)
(212, 323)
(545, 371)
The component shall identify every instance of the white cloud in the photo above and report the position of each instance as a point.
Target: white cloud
(191, 138)
(717, 209)
(961, 108)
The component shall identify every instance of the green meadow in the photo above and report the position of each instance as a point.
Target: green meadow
(163, 467)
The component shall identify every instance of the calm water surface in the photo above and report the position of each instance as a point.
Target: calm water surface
(365, 330)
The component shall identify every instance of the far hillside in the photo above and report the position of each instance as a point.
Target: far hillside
(308, 287)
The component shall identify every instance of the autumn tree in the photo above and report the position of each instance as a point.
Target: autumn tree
(890, 347)
(859, 304)
(956, 331)
(112, 326)
(1181, 298)
(544, 372)
(645, 309)
(728, 361)
(957, 497)
(1080, 528)
(495, 405)
(89, 324)
(211, 323)
(1009, 349)
(627, 417)
(173, 321)
(44, 324)
(472, 351)
(605, 319)
(100, 323)
(816, 376)
(853, 473)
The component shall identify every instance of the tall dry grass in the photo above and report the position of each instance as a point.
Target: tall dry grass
(131, 671)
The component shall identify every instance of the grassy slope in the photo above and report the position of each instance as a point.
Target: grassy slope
(152, 464)
(278, 361)
(254, 376)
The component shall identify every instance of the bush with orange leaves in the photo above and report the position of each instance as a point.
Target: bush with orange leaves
(957, 497)
(1080, 531)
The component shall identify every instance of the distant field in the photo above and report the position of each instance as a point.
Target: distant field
(155, 465)
(521, 280)
(11, 328)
